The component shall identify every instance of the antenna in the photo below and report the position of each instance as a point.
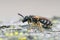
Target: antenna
(20, 15)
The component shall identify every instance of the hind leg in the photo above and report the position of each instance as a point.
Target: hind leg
(40, 26)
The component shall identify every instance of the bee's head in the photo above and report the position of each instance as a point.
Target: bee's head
(25, 19)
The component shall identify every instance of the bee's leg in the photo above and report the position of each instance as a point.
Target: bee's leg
(29, 23)
(32, 25)
(40, 27)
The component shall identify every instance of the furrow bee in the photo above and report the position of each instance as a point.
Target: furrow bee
(41, 22)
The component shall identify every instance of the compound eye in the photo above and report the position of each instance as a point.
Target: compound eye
(26, 17)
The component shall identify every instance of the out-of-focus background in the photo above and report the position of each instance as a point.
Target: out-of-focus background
(46, 8)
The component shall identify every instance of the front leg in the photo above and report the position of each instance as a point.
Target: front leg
(28, 22)
(30, 26)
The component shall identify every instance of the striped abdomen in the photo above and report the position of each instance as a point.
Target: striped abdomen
(45, 21)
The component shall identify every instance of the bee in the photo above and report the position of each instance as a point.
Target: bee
(41, 22)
